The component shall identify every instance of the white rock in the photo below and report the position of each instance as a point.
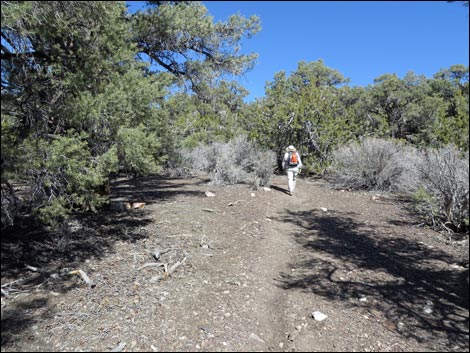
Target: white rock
(253, 194)
(324, 209)
(209, 194)
(266, 189)
(428, 309)
(318, 316)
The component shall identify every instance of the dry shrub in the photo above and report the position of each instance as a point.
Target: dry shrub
(237, 161)
(373, 164)
(443, 196)
(8, 205)
(437, 179)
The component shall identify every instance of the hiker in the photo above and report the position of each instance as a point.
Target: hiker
(291, 163)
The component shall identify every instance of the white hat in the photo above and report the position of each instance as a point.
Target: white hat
(290, 148)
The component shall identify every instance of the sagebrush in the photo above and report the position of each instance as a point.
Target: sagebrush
(373, 164)
(437, 179)
(237, 161)
(443, 197)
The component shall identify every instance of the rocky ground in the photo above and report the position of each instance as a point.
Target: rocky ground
(243, 270)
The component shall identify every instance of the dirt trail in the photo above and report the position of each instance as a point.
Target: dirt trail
(256, 268)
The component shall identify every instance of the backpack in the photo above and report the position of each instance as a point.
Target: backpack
(292, 160)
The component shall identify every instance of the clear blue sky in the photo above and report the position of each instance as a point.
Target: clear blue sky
(360, 39)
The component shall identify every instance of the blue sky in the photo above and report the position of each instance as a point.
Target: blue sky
(360, 39)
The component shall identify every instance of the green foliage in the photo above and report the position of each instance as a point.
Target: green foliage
(137, 150)
(72, 87)
(63, 175)
(214, 115)
(182, 38)
(426, 112)
(305, 110)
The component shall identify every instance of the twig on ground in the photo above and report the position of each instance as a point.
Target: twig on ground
(22, 281)
(169, 272)
(119, 347)
(234, 203)
(84, 276)
(151, 264)
(32, 268)
(175, 266)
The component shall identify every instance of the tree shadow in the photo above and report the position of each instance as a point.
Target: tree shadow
(86, 236)
(16, 320)
(409, 283)
(153, 189)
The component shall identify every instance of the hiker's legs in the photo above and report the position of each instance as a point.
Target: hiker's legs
(291, 177)
(294, 181)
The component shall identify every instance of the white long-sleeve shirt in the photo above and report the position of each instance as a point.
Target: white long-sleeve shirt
(286, 166)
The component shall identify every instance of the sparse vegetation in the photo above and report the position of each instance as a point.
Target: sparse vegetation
(82, 104)
(443, 197)
(437, 179)
(237, 161)
(372, 164)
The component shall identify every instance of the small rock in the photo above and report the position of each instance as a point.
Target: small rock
(428, 309)
(457, 267)
(363, 299)
(253, 194)
(209, 194)
(266, 189)
(318, 316)
(281, 345)
(400, 327)
(324, 209)
(293, 335)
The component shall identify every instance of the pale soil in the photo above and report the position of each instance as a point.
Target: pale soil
(256, 269)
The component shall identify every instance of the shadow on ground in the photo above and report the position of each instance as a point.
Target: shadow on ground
(153, 189)
(277, 188)
(409, 283)
(91, 235)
